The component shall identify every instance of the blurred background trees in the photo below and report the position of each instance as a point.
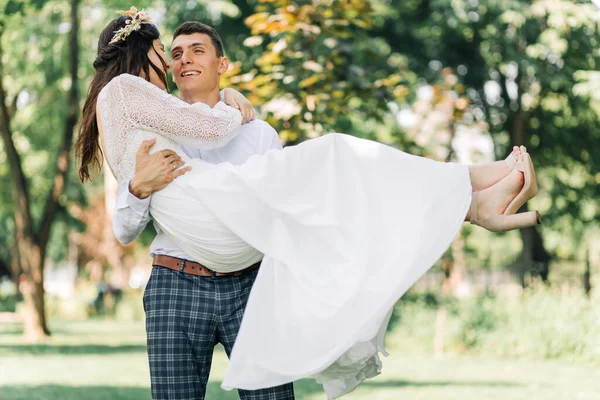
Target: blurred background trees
(455, 80)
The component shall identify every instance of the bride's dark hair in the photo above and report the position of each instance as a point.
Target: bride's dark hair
(129, 56)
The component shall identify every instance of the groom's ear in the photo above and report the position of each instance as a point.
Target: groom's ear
(223, 65)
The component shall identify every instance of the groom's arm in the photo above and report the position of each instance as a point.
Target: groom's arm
(131, 215)
(153, 172)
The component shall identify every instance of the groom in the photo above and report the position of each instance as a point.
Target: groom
(190, 307)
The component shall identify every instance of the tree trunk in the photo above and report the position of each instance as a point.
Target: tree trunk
(587, 275)
(439, 337)
(62, 163)
(534, 259)
(31, 256)
(16, 271)
(31, 243)
(27, 243)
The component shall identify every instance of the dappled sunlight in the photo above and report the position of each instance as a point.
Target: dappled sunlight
(499, 316)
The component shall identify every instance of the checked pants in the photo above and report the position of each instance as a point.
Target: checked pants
(186, 316)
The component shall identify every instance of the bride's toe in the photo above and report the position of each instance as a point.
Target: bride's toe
(512, 159)
(523, 149)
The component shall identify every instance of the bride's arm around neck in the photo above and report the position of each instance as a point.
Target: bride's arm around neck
(128, 102)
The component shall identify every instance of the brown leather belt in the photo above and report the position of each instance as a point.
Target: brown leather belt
(193, 268)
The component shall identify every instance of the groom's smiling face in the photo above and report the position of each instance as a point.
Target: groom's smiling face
(196, 66)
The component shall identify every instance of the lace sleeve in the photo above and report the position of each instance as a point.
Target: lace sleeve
(138, 103)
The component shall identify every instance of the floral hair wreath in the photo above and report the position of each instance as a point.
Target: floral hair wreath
(134, 24)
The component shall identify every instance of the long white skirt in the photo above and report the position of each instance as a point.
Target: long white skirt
(346, 226)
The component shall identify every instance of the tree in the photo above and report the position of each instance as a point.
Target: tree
(518, 61)
(32, 236)
(320, 71)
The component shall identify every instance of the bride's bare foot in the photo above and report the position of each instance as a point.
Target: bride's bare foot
(484, 176)
(494, 200)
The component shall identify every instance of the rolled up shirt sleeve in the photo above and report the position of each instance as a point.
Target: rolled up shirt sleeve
(131, 215)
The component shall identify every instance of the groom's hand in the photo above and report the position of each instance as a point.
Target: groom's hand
(153, 172)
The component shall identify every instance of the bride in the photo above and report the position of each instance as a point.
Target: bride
(345, 225)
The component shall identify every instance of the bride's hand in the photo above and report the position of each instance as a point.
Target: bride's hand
(237, 100)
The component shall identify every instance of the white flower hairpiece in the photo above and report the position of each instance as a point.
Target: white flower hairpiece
(134, 24)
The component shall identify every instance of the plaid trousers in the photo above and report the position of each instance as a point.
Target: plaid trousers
(186, 316)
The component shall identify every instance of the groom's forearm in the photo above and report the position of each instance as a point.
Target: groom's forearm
(131, 215)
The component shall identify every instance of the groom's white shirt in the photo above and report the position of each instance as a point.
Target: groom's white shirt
(133, 214)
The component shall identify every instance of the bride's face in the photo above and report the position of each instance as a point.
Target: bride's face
(155, 54)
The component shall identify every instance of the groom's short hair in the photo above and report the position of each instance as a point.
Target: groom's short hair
(191, 27)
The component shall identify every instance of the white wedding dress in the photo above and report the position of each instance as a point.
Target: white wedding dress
(346, 226)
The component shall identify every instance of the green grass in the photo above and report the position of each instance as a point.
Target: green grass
(106, 360)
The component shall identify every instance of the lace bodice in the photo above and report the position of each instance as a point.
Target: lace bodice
(133, 109)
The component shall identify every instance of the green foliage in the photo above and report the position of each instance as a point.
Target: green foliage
(81, 305)
(479, 320)
(540, 58)
(8, 303)
(542, 324)
(319, 67)
(548, 324)
(35, 44)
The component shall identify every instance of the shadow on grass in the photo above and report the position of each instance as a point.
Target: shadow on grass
(61, 392)
(403, 383)
(11, 329)
(71, 329)
(307, 387)
(49, 349)
(302, 388)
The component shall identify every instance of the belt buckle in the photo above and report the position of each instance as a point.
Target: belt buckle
(182, 267)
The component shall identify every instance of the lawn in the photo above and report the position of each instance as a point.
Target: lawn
(106, 360)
